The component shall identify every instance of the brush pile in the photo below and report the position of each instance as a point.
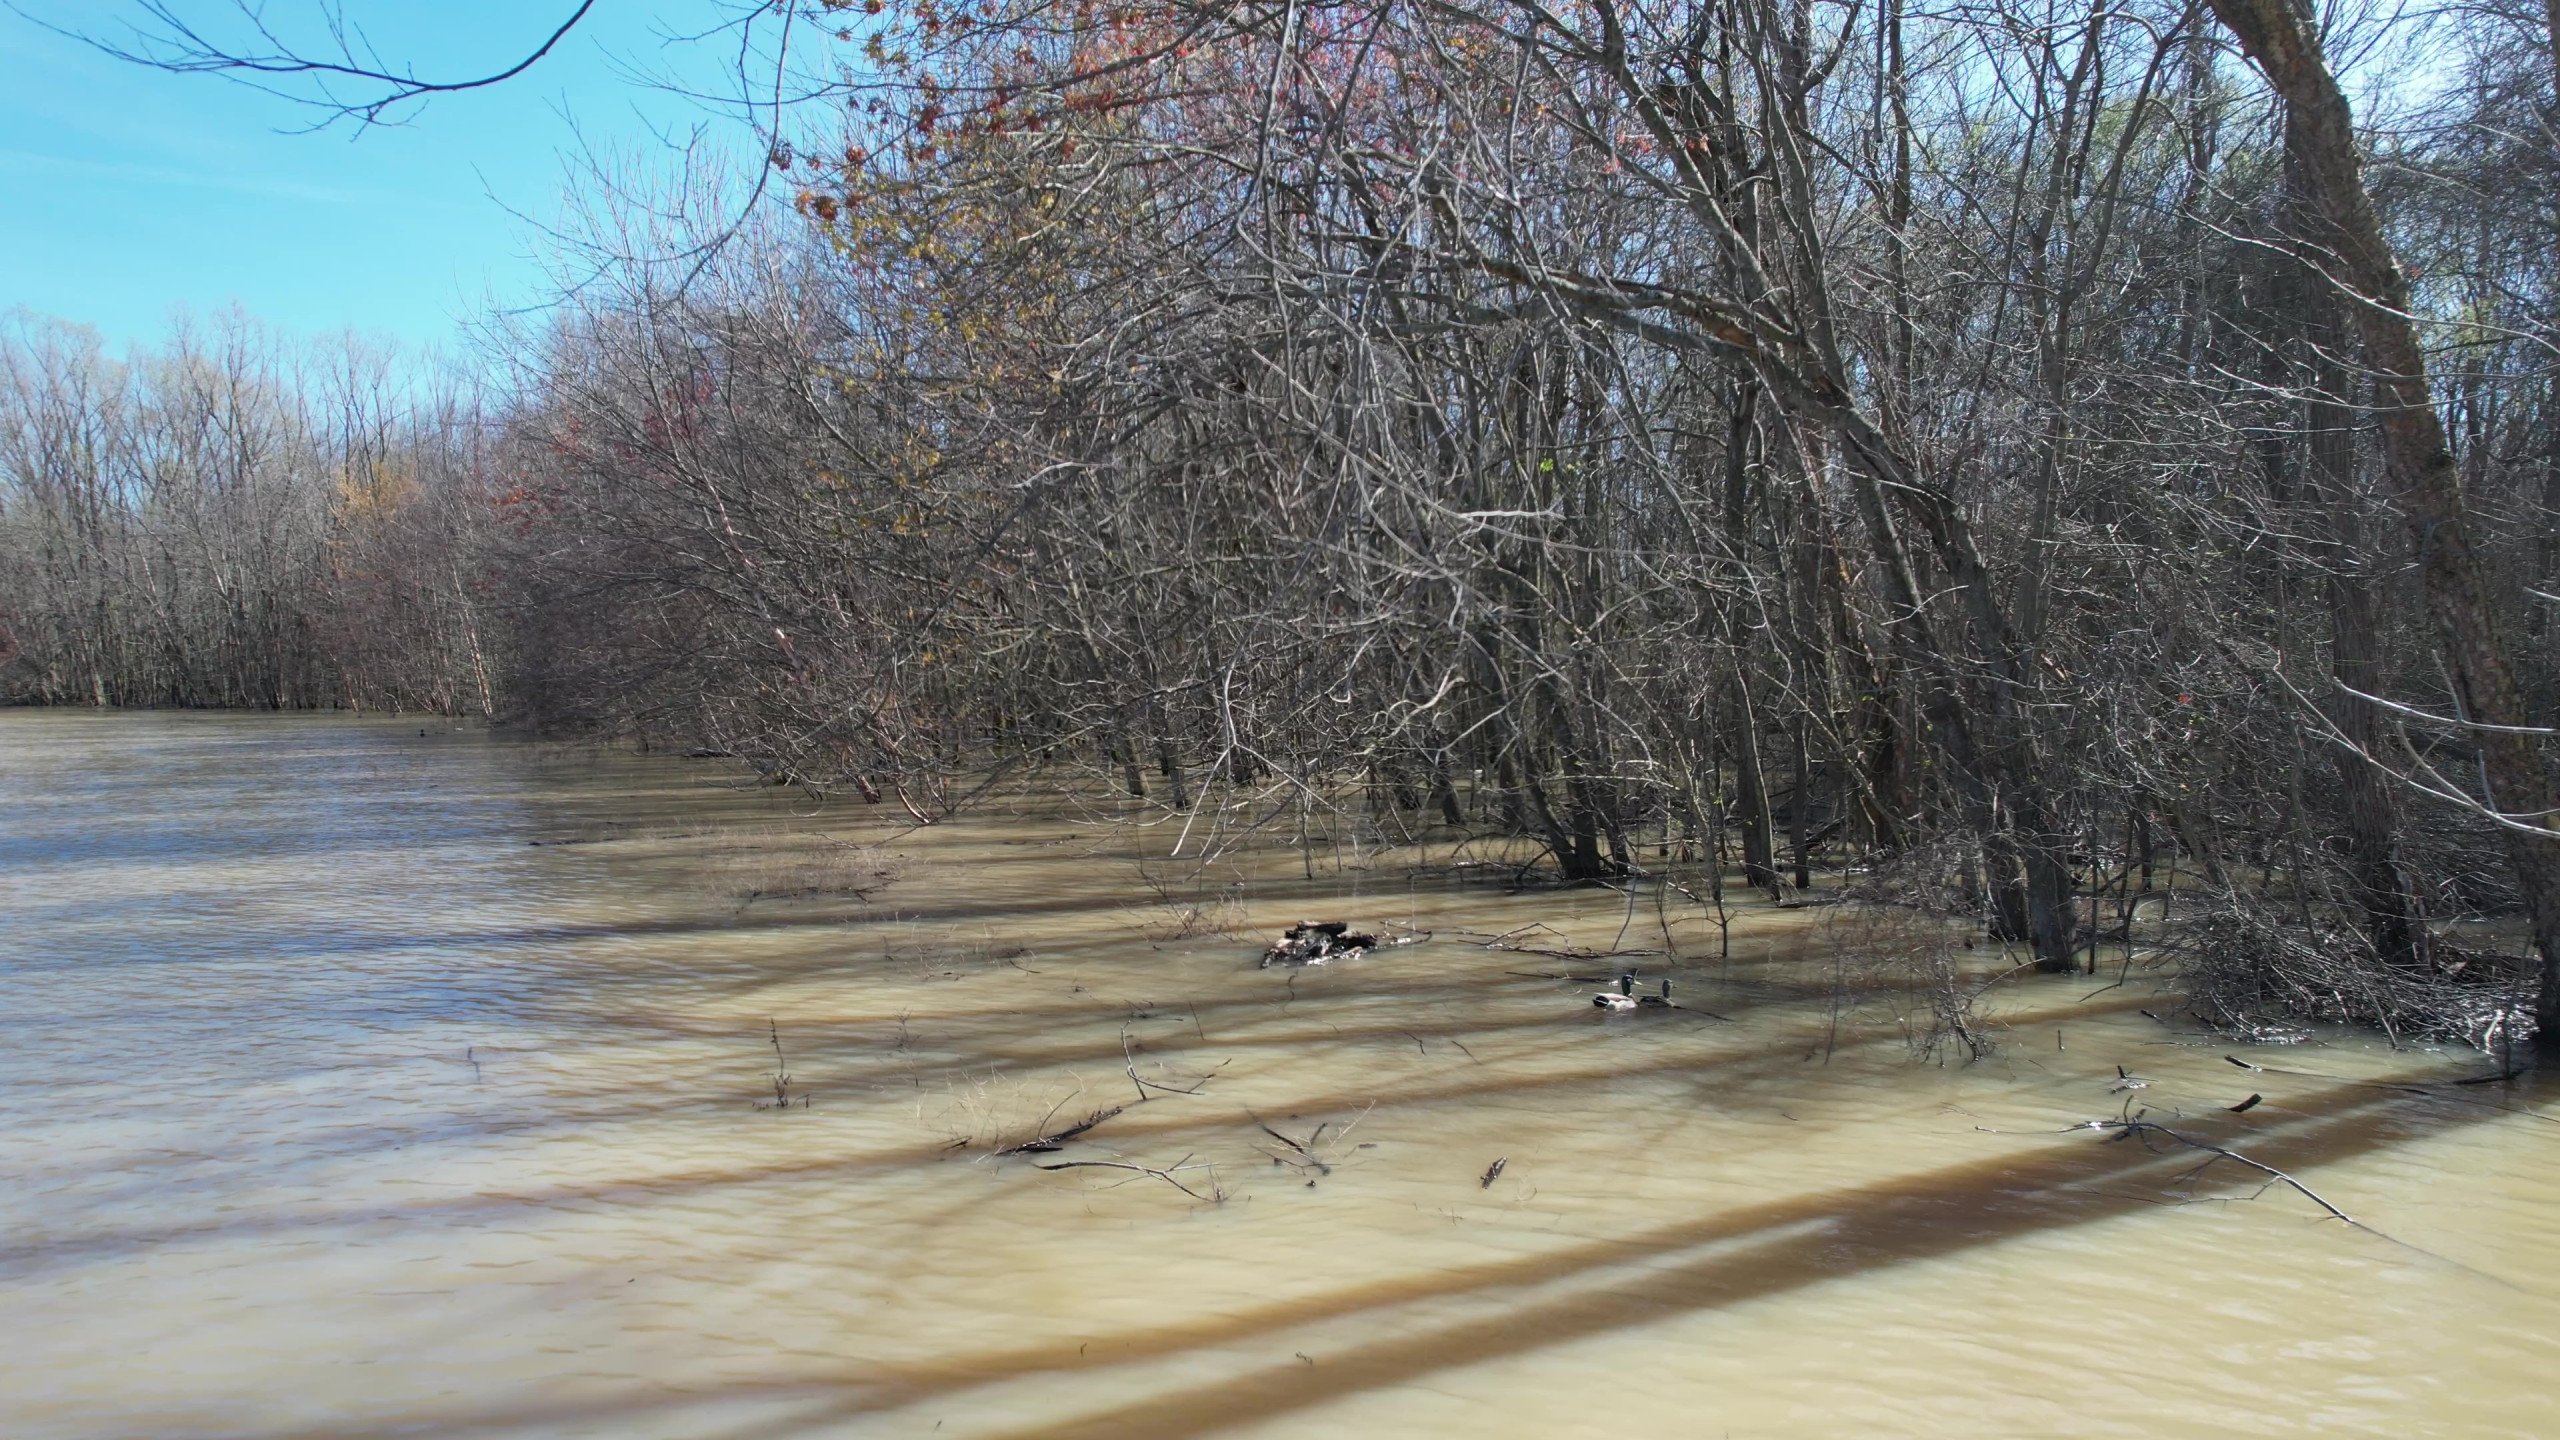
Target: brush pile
(1314, 942)
(2250, 974)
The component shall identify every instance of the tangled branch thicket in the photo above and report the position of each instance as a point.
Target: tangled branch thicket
(2021, 449)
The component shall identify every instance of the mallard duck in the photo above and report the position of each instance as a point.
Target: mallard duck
(1625, 998)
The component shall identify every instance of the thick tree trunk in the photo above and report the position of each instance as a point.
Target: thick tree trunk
(2278, 40)
(2050, 926)
(2369, 811)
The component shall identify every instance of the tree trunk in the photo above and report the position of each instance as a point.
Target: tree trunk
(1800, 812)
(2274, 35)
(2368, 810)
(1751, 813)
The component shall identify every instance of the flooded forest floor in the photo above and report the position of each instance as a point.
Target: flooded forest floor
(384, 1083)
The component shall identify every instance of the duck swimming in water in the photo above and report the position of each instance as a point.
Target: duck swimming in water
(1626, 998)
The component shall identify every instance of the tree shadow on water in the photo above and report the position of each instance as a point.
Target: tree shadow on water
(1574, 1292)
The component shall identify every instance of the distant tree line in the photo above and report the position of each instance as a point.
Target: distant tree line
(227, 520)
(2048, 449)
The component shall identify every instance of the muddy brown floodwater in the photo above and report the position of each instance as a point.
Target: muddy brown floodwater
(333, 1105)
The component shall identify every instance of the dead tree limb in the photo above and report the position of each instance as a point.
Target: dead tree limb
(1130, 1066)
(1049, 1142)
(2131, 1127)
(1166, 1175)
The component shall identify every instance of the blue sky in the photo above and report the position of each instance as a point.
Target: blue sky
(130, 193)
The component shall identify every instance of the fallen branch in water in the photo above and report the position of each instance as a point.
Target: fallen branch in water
(1215, 1196)
(1047, 1143)
(1303, 1154)
(1129, 1056)
(1306, 1157)
(2134, 1125)
(2131, 1124)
